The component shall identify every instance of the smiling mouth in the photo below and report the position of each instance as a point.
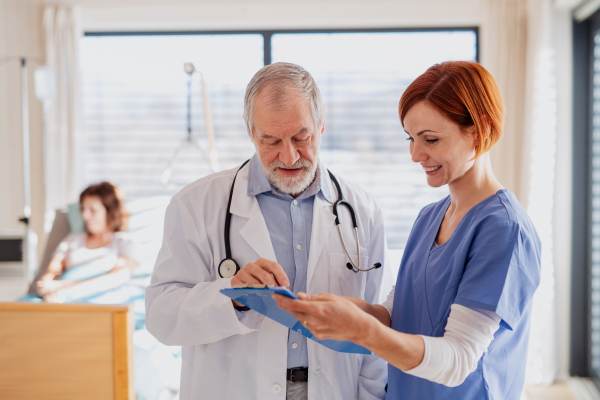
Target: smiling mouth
(431, 169)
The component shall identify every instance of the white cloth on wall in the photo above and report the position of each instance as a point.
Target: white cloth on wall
(62, 138)
(518, 51)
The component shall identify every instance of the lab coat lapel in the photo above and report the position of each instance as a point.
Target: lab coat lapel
(255, 231)
(323, 222)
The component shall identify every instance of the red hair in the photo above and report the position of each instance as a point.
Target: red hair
(466, 93)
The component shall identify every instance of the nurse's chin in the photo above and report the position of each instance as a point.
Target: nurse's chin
(435, 182)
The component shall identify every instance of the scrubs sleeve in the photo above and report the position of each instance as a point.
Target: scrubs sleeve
(502, 272)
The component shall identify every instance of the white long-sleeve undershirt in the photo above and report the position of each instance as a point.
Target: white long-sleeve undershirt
(449, 359)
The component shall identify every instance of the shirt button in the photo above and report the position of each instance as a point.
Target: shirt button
(295, 346)
(276, 388)
(299, 247)
(295, 202)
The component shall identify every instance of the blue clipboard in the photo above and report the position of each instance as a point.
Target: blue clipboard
(261, 300)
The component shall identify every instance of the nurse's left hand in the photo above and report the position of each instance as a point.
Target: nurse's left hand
(328, 316)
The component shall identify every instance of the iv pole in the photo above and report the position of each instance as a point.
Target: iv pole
(213, 156)
(29, 255)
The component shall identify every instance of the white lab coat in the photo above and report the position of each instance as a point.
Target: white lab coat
(229, 358)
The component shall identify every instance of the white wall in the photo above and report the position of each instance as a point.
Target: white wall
(275, 14)
(563, 189)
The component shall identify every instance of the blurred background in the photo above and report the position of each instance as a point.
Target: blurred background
(95, 90)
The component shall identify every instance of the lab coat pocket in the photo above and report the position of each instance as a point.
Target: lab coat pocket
(343, 281)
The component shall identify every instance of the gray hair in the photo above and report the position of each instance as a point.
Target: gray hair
(278, 78)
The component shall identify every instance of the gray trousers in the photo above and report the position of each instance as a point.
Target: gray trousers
(297, 391)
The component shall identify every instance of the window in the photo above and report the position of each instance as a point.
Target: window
(361, 77)
(135, 105)
(135, 108)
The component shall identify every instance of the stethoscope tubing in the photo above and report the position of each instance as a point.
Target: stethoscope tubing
(355, 267)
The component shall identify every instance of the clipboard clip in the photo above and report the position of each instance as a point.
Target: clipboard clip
(249, 285)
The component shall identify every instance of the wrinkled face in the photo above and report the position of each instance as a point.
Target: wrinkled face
(437, 143)
(287, 143)
(94, 215)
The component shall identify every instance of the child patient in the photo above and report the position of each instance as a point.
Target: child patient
(107, 251)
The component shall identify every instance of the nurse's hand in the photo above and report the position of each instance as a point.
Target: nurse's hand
(328, 316)
(262, 272)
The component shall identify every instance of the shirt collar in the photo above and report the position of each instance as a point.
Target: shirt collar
(258, 182)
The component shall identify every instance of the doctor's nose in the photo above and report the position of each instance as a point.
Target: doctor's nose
(289, 154)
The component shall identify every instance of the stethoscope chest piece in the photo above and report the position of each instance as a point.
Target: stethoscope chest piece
(228, 268)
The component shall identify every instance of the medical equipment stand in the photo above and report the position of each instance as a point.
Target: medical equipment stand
(189, 140)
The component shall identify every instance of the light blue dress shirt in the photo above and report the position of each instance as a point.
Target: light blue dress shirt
(289, 222)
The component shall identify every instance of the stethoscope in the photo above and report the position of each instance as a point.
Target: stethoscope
(229, 267)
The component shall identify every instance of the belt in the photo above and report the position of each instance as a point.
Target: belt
(297, 375)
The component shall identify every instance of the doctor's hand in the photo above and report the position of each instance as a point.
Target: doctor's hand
(329, 316)
(262, 272)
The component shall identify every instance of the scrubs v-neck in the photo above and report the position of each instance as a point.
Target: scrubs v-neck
(491, 262)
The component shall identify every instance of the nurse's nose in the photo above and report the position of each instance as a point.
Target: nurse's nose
(289, 154)
(416, 153)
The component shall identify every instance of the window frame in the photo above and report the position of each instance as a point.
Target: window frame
(580, 362)
(268, 34)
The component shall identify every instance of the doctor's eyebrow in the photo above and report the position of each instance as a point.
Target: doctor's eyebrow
(267, 136)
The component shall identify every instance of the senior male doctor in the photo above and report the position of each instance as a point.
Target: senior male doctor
(282, 232)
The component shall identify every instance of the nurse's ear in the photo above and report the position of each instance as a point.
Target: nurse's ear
(479, 134)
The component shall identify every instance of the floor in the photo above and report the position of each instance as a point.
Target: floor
(12, 288)
(557, 391)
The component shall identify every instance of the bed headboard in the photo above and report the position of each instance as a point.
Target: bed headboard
(66, 351)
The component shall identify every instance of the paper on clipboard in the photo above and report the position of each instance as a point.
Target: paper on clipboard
(261, 300)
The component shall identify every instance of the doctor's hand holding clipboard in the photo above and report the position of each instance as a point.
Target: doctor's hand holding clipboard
(262, 272)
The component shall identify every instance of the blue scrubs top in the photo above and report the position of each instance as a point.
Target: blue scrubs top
(491, 262)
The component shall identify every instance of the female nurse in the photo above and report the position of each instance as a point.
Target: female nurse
(456, 324)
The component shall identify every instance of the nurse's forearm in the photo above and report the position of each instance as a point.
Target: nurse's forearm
(376, 310)
(401, 350)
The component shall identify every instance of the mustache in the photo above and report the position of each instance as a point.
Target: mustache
(301, 163)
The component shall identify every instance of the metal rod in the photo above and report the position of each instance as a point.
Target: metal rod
(189, 108)
(25, 139)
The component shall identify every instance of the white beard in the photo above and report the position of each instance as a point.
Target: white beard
(292, 185)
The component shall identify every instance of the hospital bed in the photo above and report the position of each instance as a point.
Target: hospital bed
(157, 367)
(66, 351)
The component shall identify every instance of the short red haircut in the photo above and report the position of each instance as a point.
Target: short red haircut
(466, 93)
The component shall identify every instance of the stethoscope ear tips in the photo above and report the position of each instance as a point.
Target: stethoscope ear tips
(349, 266)
(377, 265)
